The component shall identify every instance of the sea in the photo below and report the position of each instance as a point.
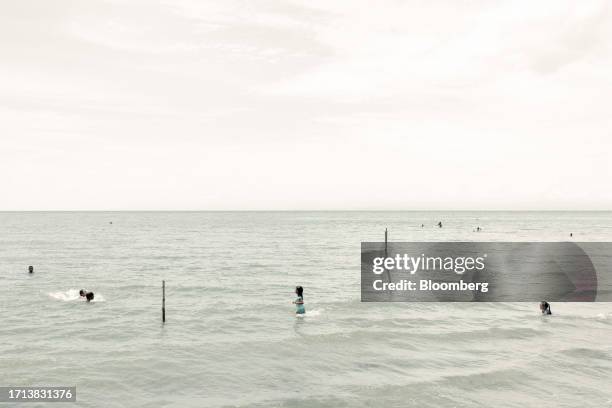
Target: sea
(231, 336)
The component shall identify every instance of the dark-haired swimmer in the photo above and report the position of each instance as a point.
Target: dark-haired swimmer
(545, 308)
(87, 295)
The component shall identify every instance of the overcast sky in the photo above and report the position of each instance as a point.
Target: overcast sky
(187, 104)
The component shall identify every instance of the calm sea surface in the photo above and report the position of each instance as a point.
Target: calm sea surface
(232, 338)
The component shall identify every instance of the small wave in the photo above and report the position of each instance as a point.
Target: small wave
(72, 295)
(583, 353)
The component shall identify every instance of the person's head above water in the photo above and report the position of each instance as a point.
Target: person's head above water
(299, 291)
(87, 295)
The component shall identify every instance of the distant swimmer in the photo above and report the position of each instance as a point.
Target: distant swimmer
(545, 308)
(440, 224)
(477, 229)
(88, 295)
(30, 269)
(571, 234)
(299, 302)
(422, 225)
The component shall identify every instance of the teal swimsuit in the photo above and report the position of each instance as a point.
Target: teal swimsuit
(299, 307)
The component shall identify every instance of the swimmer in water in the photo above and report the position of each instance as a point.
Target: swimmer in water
(545, 308)
(88, 295)
(439, 224)
(299, 302)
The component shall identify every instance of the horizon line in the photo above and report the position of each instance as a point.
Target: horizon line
(317, 210)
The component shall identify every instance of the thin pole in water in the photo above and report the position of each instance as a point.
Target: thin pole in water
(164, 301)
(385, 242)
(386, 255)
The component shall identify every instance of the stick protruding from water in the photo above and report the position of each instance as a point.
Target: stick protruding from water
(385, 242)
(163, 301)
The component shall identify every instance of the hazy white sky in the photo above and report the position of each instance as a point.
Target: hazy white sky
(188, 104)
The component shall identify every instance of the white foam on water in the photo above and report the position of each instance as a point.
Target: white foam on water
(314, 312)
(68, 296)
(310, 313)
(72, 295)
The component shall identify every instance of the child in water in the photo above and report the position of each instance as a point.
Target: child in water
(299, 302)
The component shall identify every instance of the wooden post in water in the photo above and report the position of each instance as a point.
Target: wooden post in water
(164, 301)
(385, 242)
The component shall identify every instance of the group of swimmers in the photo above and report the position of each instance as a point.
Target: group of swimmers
(89, 296)
(439, 225)
(300, 310)
(298, 302)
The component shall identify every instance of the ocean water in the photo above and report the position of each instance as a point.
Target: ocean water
(232, 338)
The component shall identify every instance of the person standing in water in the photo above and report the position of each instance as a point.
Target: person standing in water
(545, 308)
(299, 302)
(88, 295)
